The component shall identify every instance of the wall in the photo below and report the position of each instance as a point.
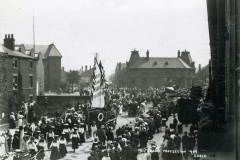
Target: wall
(24, 68)
(57, 103)
(3, 89)
(53, 73)
(158, 78)
(40, 74)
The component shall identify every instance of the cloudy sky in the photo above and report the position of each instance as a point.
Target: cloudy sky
(80, 28)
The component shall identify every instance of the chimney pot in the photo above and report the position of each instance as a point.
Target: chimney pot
(9, 41)
(179, 53)
(147, 54)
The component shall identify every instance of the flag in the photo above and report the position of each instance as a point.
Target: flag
(98, 81)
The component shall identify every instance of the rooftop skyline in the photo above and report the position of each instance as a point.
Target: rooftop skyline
(112, 28)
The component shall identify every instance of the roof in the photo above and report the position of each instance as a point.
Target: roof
(160, 62)
(121, 66)
(14, 53)
(87, 73)
(47, 50)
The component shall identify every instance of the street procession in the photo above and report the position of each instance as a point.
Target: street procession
(119, 80)
(117, 123)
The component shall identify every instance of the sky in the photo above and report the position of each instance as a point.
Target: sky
(111, 28)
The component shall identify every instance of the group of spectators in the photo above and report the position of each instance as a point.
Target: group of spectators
(52, 134)
(129, 141)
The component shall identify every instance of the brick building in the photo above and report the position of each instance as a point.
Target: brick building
(155, 72)
(223, 91)
(20, 73)
(48, 66)
(3, 87)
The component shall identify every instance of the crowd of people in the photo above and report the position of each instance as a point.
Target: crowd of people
(36, 137)
(129, 141)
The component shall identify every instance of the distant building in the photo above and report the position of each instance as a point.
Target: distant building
(19, 72)
(203, 75)
(63, 75)
(48, 65)
(155, 72)
(85, 77)
(119, 76)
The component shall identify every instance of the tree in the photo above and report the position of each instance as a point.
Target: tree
(72, 78)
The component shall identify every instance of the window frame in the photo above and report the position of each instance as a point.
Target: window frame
(15, 63)
(31, 81)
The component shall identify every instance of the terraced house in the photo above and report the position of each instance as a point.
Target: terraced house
(19, 74)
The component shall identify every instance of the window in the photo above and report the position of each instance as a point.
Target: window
(28, 53)
(31, 64)
(31, 81)
(15, 81)
(15, 63)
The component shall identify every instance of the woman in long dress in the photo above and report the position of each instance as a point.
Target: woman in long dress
(62, 147)
(54, 150)
(75, 139)
(41, 146)
(32, 148)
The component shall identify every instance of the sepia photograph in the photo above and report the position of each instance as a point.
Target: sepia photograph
(119, 80)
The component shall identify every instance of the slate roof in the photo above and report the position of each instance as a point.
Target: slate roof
(160, 62)
(87, 73)
(14, 53)
(44, 49)
(121, 66)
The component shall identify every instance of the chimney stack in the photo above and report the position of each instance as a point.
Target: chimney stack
(147, 54)
(9, 41)
(86, 68)
(178, 54)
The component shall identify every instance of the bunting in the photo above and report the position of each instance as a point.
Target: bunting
(98, 81)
